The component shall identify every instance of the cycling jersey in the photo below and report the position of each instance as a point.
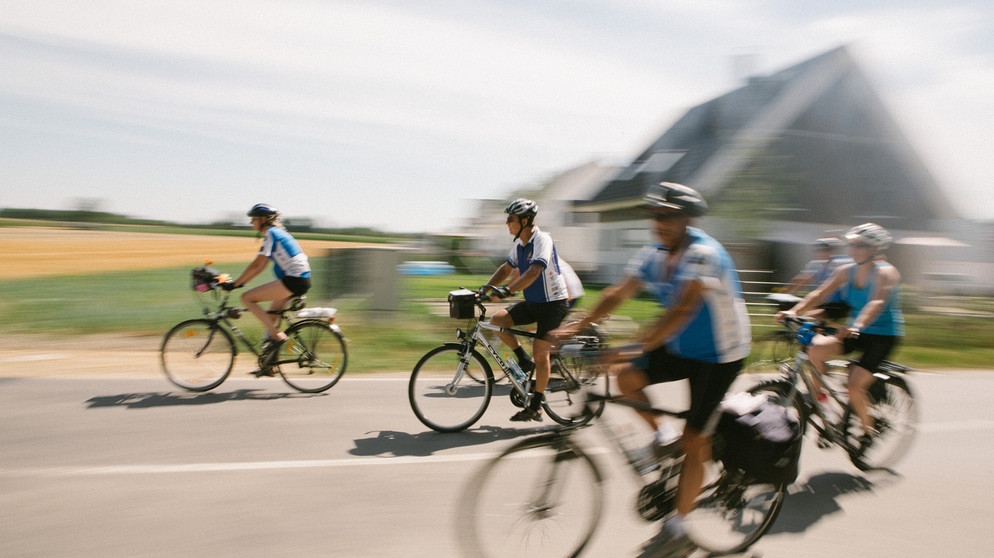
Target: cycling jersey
(891, 319)
(550, 285)
(283, 249)
(720, 331)
(821, 270)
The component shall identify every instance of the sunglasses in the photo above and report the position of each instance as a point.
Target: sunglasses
(859, 245)
(511, 219)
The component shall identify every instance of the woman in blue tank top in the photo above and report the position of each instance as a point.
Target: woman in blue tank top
(872, 287)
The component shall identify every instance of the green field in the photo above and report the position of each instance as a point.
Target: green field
(149, 302)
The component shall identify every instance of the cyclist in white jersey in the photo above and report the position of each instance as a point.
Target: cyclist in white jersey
(533, 268)
(702, 337)
(290, 265)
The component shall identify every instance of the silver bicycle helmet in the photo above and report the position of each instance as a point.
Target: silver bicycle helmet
(522, 208)
(671, 195)
(872, 234)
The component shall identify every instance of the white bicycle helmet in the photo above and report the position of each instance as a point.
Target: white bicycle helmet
(872, 234)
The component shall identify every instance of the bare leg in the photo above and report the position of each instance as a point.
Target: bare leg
(697, 452)
(860, 379)
(275, 291)
(631, 383)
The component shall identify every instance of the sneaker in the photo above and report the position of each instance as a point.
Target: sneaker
(266, 371)
(667, 544)
(525, 415)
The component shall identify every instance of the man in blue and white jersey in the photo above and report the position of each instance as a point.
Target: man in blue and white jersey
(532, 266)
(703, 336)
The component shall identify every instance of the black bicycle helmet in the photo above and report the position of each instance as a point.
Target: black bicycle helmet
(671, 195)
(263, 210)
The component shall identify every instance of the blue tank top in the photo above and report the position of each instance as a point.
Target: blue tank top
(891, 319)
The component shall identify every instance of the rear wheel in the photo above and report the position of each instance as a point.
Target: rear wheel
(565, 396)
(732, 513)
(895, 415)
(197, 355)
(313, 358)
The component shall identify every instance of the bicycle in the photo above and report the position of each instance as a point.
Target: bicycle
(893, 406)
(199, 354)
(545, 494)
(451, 386)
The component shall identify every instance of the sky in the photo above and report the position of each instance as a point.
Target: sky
(394, 114)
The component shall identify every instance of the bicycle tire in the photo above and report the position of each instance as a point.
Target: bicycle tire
(565, 395)
(732, 513)
(543, 496)
(439, 399)
(197, 355)
(313, 358)
(896, 415)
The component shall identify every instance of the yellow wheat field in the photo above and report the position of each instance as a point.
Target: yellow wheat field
(43, 251)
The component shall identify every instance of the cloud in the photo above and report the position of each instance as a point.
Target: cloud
(333, 105)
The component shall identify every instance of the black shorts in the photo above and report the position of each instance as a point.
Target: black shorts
(548, 315)
(875, 348)
(709, 381)
(297, 285)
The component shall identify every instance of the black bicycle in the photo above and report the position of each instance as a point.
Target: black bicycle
(451, 386)
(892, 403)
(198, 354)
(544, 495)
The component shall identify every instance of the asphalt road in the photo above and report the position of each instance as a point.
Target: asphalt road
(126, 467)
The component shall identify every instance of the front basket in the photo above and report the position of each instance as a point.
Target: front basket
(462, 304)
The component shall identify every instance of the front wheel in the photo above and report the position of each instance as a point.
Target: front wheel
(197, 355)
(895, 414)
(543, 496)
(732, 513)
(313, 357)
(444, 391)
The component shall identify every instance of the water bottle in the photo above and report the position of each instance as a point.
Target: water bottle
(516, 371)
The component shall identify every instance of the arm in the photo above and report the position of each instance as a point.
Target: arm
(611, 298)
(815, 297)
(257, 266)
(519, 283)
(677, 317)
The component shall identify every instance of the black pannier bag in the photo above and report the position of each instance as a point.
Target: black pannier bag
(764, 442)
(462, 304)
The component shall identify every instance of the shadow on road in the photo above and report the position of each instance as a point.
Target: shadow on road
(808, 503)
(151, 400)
(394, 443)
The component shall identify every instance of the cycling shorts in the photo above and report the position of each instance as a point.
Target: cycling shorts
(548, 315)
(876, 348)
(709, 381)
(297, 285)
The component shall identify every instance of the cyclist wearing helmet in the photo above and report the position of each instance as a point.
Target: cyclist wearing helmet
(532, 267)
(703, 335)
(819, 269)
(290, 265)
(872, 287)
